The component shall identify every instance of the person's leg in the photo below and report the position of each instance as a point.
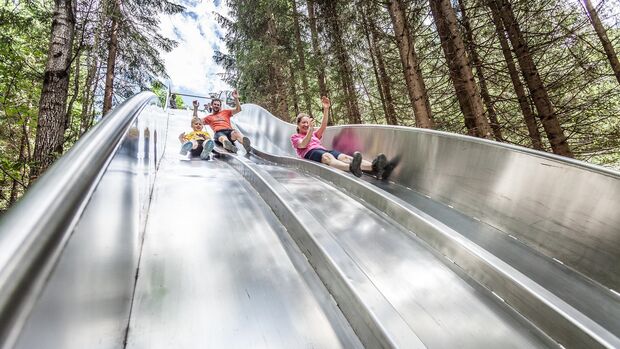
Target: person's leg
(389, 167)
(343, 157)
(329, 160)
(223, 138)
(355, 161)
(236, 135)
(374, 167)
(207, 147)
(187, 146)
(366, 165)
(228, 143)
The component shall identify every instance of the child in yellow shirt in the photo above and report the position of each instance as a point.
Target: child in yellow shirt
(197, 142)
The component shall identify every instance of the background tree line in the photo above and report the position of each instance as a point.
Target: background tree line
(63, 65)
(542, 74)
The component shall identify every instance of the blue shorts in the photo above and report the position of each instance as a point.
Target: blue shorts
(317, 154)
(226, 132)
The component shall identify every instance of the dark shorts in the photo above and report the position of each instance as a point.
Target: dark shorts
(317, 154)
(196, 152)
(226, 132)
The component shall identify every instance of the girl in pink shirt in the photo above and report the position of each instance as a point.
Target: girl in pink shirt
(307, 144)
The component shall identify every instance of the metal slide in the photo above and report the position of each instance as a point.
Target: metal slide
(127, 244)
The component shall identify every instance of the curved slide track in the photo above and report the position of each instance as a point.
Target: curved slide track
(124, 243)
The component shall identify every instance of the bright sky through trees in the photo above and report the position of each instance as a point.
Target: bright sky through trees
(190, 65)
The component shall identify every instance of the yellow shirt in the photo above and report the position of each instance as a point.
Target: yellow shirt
(196, 135)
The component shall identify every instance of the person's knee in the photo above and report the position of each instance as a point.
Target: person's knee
(327, 158)
(344, 158)
(236, 135)
(222, 138)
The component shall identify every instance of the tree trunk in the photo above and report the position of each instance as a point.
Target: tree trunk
(602, 35)
(92, 76)
(277, 78)
(384, 82)
(475, 59)
(294, 89)
(112, 50)
(76, 91)
(373, 110)
(88, 92)
(318, 55)
(411, 67)
(22, 157)
(545, 109)
(460, 70)
(53, 102)
(374, 69)
(344, 66)
(528, 115)
(302, 61)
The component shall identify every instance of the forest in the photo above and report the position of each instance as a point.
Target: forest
(539, 74)
(542, 74)
(63, 65)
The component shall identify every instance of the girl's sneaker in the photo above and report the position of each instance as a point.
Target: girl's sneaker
(355, 164)
(207, 147)
(389, 167)
(187, 146)
(378, 165)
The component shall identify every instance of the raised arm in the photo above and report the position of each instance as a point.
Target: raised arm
(237, 109)
(326, 103)
(195, 104)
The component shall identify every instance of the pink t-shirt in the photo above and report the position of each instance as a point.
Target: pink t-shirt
(315, 143)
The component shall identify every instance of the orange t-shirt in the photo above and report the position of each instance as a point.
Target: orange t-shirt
(219, 121)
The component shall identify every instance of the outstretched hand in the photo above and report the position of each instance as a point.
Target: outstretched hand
(235, 94)
(326, 102)
(195, 104)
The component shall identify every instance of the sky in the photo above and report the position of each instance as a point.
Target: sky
(190, 65)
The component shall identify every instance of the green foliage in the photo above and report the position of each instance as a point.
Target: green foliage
(139, 61)
(24, 32)
(180, 102)
(160, 91)
(24, 42)
(567, 52)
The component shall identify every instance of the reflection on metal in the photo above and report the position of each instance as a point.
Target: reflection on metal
(35, 231)
(221, 267)
(565, 209)
(219, 271)
(374, 319)
(555, 317)
(591, 318)
(386, 283)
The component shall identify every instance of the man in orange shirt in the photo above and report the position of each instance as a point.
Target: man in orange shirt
(219, 121)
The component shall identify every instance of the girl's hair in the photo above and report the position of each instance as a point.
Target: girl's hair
(301, 116)
(196, 119)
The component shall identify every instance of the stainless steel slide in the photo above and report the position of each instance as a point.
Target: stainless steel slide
(126, 243)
